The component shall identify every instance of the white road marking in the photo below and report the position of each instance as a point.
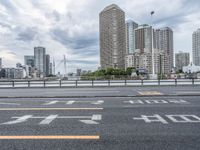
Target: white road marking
(48, 119)
(70, 102)
(98, 102)
(89, 121)
(179, 101)
(172, 118)
(156, 102)
(150, 93)
(184, 118)
(3, 103)
(51, 103)
(188, 92)
(155, 118)
(19, 120)
(134, 102)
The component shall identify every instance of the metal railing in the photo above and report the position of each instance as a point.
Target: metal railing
(93, 83)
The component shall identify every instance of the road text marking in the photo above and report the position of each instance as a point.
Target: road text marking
(173, 118)
(48, 119)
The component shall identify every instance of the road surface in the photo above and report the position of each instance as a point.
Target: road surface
(119, 123)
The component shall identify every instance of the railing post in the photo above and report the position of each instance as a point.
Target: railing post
(158, 81)
(28, 83)
(192, 81)
(60, 83)
(13, 84)
(125, 82)
(175, 81)
(108, 82)
(44, 84)
(142, 82)
(76, 83)
(92, 82)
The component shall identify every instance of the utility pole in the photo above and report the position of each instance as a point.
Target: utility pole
(54, 68)
(65, 66)
(153, 75)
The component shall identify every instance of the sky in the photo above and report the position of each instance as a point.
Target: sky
(71, 28)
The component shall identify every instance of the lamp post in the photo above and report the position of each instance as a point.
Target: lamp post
(153, 75)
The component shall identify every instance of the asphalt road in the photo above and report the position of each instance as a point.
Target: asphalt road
(109, 123)
(101, 91)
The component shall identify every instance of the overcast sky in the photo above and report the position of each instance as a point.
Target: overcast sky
(71, 27)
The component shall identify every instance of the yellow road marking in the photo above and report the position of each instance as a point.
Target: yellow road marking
(150, 93)
(35, 137)
(51, 109)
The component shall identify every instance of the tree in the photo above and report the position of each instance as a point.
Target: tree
(129, 70)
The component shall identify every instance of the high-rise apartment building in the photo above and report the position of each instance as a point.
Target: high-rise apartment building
(196, 47)
(143, 38)
(181, 59)
(29, 61)
(161, 62)
(112, 37)
(51, 68)
(47, 65)
(132, 60)
(130, 36)
(40, 60)
(164, 41)
(0, 63)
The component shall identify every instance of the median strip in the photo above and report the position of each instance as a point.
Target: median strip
(30, 109)
(48, 137)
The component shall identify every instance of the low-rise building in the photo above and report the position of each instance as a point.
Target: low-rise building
(191, 68)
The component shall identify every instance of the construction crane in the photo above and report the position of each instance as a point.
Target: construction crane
(64, 61)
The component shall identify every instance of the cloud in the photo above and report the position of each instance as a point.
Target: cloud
(9, 58)
(71, 28)
(27, 34)
(74, 42)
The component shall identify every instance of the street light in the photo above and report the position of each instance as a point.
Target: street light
(153, 75)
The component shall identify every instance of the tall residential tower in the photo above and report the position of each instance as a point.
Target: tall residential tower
(196, 47)
(164, 42)
(40, 60)
(130, 36)
(112, 37)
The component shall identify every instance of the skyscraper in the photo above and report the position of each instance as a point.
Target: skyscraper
(0, 63)
(29, 61)
(130, 36)
(196, 47)
(47, 65)
(112, 37)
(181, 59)
(51, 69)
(164, 42)
(143, 44)
(143, 38)
(40, 60)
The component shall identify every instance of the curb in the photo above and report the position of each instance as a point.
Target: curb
(168, 95)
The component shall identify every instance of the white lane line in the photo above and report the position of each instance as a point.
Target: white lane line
(186, 92)
(3, 103)
(51, 103)
(85, 92)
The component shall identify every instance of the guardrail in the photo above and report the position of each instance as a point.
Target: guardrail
(93, 83)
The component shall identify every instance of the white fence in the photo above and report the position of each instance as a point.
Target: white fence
(94, 83)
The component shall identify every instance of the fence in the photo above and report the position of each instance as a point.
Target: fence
(93, 83)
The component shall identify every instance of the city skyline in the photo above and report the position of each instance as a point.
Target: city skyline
(61, 29)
